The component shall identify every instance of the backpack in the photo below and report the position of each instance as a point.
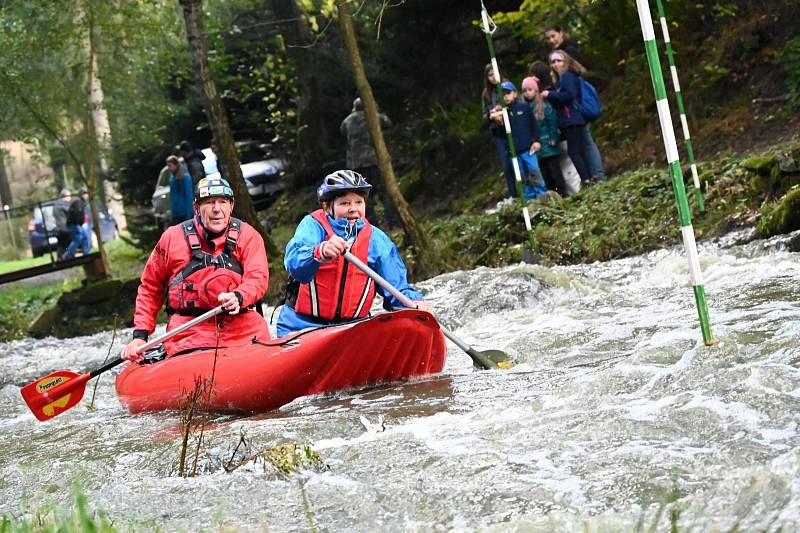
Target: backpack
(589, 103)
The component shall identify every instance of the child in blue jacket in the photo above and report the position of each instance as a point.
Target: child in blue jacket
(324, 288)
(525, 134)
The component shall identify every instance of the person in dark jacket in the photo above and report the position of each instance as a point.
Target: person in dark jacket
(490, 103)
(563, 97)
(361, 158)
(525, 134)
(75, 219)
(60, 211)
(193, 159)
(559, 40)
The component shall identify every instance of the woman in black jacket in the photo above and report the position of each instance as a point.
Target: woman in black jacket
(559, 40)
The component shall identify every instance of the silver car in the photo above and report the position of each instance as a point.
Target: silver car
(265, 177)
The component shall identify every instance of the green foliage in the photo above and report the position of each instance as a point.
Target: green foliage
(782, 216)
(632, 214)
(51, 518)
(789, 60)
(20, 304)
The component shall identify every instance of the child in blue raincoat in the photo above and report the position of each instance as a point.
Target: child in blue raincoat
(525, 133)
(324, 288)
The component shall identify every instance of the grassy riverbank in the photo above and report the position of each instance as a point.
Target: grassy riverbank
(21, 302)
(632, 213)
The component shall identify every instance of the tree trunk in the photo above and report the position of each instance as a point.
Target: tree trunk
(414, 234)
(106, 191)
(312, 131)
(90, 145)
(218, 119)
(5, 187)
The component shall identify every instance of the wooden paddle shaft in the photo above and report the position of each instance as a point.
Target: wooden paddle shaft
(402, 297)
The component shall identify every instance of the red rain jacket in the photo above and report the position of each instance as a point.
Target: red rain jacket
(170, 256)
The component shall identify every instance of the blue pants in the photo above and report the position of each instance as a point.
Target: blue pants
(531, 175)
(78, 237)
(593, 157)
(508, 170)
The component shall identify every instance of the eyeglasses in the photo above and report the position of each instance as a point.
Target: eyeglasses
(556, 60)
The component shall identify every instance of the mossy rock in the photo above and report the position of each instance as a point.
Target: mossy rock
(45, 323)
(761, 164)
(100, 292)
(781, 217)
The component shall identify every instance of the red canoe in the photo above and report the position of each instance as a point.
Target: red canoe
(261, 377)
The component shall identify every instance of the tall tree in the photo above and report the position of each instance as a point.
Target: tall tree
(312, 138)
(218, 117)
(91, 140)
(414, 233)
(5, 188)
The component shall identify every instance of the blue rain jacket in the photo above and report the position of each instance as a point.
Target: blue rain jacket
(383, 258)
(181, 195)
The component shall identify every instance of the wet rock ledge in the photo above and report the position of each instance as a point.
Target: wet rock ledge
(95, 307)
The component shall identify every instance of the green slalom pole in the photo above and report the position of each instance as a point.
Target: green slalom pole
(488, 28)
(671, 146)
(687, 139)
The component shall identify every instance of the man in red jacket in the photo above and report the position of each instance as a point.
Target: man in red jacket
(206, 261)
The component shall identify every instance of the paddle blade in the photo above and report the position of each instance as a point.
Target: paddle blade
(55, 393)
(487, 359)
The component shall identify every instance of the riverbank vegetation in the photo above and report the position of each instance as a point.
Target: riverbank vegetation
(50, 518)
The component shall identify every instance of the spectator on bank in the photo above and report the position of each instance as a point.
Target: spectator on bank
(181, 191)
(544, 76)
(361, 158)
(60, 211)
(75, 218)
(87, 225)
(570, 121)
(559, 40)
(525, 135)
(491, 107)
(193, 159)
(547, 120)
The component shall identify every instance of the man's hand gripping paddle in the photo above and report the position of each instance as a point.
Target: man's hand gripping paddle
(62, 390)
(485, 359)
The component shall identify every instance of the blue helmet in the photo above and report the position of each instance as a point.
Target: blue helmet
(342, 182)
(209, 187)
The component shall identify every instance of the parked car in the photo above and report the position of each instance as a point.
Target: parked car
(43, 236)
(263, 174)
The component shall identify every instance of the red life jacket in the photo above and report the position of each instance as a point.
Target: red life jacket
(194, 290)
(339, 291)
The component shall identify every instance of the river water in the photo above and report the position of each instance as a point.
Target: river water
(617, 417)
